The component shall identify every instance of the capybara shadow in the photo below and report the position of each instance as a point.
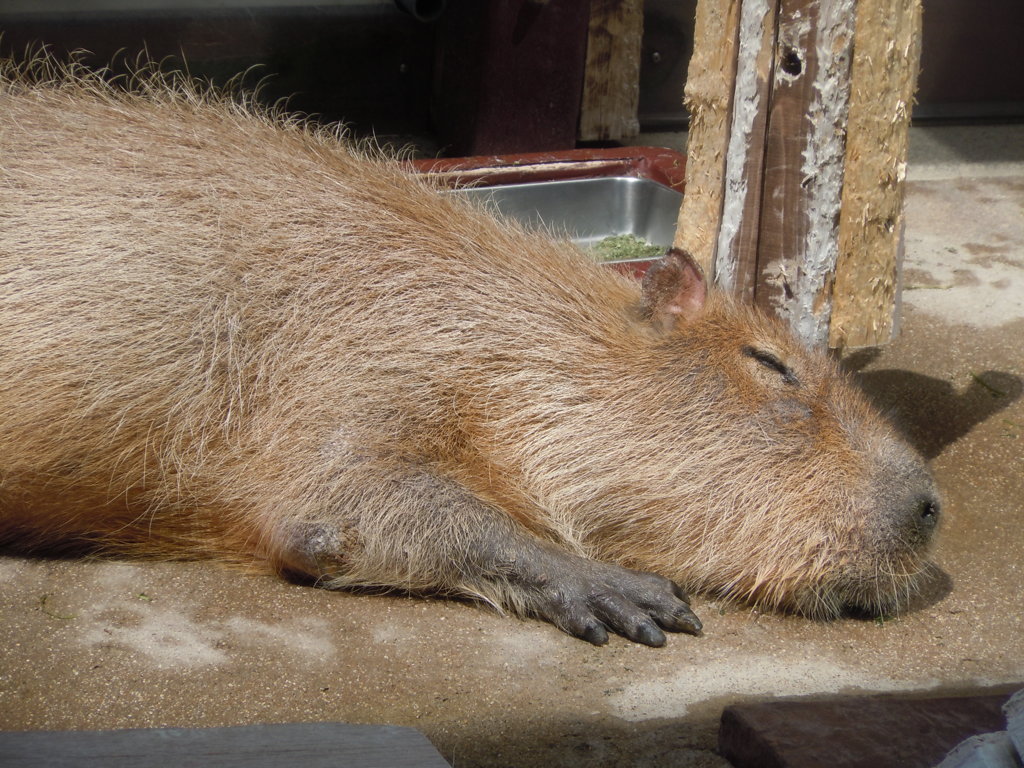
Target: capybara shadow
(931, 412)
(229, 333)
(931, 587)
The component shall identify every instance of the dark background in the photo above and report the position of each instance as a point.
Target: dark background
(465, 65)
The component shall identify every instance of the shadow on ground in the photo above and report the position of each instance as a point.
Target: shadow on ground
(688, 743)
(930, 411)
(933, 586)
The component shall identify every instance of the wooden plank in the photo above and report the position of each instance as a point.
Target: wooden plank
(309, 745)
(783, 226)
(804, 163)
(708, 98)
(611, 84)
(736, 261)
(854, 731)
(887, 48)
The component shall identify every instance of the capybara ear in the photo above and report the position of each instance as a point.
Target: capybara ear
(673, 290)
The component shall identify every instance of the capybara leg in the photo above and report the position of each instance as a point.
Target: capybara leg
(419, 531)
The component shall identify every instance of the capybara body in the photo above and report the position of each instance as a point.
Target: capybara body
(227, 335)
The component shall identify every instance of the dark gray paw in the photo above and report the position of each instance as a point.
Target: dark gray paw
(588, 601)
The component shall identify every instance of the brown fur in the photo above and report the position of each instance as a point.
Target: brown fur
(224, 334)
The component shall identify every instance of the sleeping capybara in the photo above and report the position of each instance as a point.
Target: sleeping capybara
(226, 334)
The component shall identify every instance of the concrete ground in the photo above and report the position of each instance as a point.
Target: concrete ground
(87, 644)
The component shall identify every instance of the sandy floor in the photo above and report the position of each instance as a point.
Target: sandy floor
(95, 644)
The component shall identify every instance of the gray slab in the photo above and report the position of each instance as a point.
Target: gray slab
(310, 745)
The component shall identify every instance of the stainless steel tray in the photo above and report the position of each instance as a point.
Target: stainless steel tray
(589, 210)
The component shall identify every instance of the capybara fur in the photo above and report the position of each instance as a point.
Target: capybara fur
(228, 334)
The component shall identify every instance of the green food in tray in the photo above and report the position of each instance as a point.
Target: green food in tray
(619, 247)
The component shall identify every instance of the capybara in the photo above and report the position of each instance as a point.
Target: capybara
(228, 334)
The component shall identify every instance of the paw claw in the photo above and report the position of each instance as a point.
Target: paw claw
(649, 634)
(682, 620)
(595, 634)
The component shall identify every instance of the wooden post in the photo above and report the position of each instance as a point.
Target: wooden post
(887, 48)
(765, 194)
(708, 98)
(611, 85)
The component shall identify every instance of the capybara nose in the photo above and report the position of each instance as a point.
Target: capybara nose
(928, 507)
(922, 518)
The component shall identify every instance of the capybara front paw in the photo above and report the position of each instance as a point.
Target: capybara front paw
(636, 605)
